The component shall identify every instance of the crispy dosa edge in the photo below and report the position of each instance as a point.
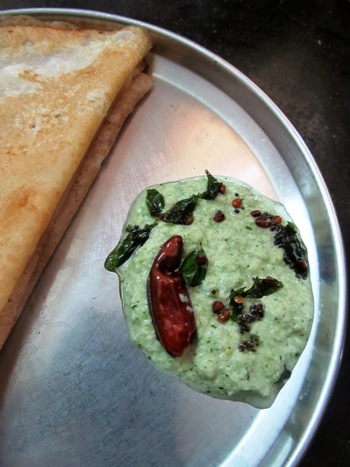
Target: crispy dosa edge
(72, 200)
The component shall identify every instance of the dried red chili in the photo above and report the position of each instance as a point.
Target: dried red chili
(169, 301)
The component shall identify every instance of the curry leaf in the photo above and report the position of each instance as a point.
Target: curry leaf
(259, 289)
(295, 253)
(194, 268)
(263, 287)
(181, 212)
(213, 187)
(135, 238)
(155, 202)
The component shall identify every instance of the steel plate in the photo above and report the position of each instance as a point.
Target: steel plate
(74, 391)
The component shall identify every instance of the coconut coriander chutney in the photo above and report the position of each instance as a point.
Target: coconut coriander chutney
(215, 286)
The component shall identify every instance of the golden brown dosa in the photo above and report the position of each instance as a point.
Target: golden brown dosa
(64, 95)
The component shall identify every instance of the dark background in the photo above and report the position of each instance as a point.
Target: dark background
(298, 53)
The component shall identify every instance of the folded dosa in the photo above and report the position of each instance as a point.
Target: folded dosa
(64, 95)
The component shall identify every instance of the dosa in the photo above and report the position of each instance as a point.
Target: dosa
(65, 93)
